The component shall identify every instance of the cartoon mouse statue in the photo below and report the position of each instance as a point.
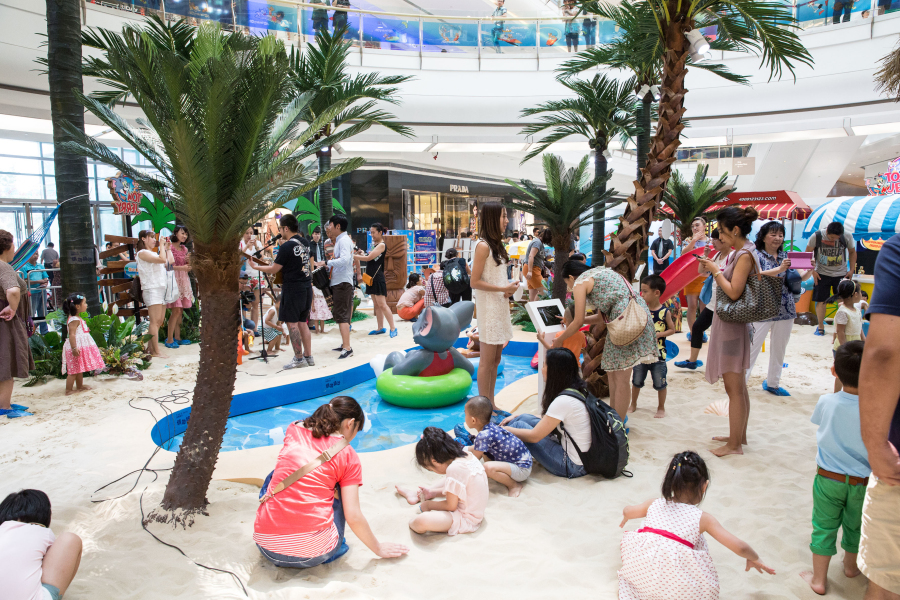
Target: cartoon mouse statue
(436, 330)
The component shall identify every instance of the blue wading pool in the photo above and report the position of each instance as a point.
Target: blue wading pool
(260, 418)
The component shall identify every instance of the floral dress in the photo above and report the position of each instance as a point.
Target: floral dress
(494, 321)
(667, 557)
(88, 359)
(320, 310)
(610, 296)
(185, 293)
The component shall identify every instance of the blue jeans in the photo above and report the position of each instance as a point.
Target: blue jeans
(39, 309)
(282, 560)
(657, 370)
(548, 451)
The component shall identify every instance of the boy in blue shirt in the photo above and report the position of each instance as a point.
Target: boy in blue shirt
(839, 488)
(506, 457)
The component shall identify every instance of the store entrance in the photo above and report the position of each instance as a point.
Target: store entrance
(421, 210)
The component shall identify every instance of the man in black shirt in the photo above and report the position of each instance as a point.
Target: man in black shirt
(296, 290)
(661, 251)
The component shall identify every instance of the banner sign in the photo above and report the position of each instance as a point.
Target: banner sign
(872, 244)
(886, 183)
(269, 16)
(426, 247)
(126, 194)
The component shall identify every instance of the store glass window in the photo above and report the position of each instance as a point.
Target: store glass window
(19, 148)
(27, 187)
(19, 165)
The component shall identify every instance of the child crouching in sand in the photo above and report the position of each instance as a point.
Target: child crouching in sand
(839, 487)
(668, 556)
(506, 457)
(465, 487)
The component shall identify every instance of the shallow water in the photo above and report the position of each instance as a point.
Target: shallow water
(387, 426)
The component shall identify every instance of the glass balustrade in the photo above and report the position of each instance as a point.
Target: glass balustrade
(451, 33)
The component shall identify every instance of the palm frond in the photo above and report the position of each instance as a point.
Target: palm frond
(689, 200)
(887, 78)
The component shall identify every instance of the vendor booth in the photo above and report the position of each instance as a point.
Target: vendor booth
(871, 220)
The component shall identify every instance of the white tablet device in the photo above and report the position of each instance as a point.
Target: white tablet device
(547, 315)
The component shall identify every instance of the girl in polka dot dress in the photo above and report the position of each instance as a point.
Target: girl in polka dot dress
(668, 556)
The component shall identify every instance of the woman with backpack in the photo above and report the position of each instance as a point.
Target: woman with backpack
(564, 418)
(456, 276)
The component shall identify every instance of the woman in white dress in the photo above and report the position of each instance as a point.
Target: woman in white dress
(152, 271)
(249, 246)
(491, 292)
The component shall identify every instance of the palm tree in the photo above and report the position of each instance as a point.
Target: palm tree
(600, 109)
(562, 205)
(223, 128)
(763, 27)
(630, 52)
(76, 229)
(887, 79)
(322, 71)
(688, 200)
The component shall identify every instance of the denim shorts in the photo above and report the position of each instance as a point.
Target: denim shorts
(49, 592)
(658, 372)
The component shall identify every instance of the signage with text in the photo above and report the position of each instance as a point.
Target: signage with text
(887, 182)
(462, 189)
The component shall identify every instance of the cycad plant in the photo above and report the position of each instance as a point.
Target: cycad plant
(600, 110)
(563, 205)
(689, 199)
(887, 78)
(763, 27)
(223, 128)
(321, 70)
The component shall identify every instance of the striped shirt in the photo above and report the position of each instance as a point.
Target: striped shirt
(300, 545)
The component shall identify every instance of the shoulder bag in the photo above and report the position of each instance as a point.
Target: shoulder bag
(629, 325)
(760, 300)
(305, 470)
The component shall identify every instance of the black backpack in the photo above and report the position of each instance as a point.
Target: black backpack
(456, 277)
(608, 453)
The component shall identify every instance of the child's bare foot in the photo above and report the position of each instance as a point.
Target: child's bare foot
(411, 495)
(850, 568)
(725, 438)
(725, 451)
(818, 588)
(85, 388)
(69, 392)
(426, 494)
(515, 490)
(632, 408)
(660, 413)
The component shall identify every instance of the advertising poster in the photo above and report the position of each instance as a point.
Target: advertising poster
(410, 245)
(393, 34)
(426, 246)
(210, 10)
(269, 16)
(511, 34)
(448, 33)
(553, 34)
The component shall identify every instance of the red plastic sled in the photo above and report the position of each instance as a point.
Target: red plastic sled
(680, 273)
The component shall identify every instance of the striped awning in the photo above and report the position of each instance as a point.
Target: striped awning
(770, 205)
(859, 214)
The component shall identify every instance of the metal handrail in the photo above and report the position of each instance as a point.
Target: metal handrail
(427, 16)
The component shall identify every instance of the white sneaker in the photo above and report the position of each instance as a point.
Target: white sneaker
(296, 363)
(310, 361)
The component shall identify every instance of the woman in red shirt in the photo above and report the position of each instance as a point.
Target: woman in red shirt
(303, 525)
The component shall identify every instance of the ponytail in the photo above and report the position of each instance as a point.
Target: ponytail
(327, 419)
(143, 233)
(685, 477)
(413, 280)
(436, 445)
(735, 216)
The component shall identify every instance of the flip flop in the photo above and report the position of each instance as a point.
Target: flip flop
(14, 414)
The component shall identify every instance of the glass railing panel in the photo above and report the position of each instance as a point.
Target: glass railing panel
(390, 33)
(201, 10)
(449, 36)
(553, 38)
(607, 31)
(824, 13)
(509, 36)
(262, 18)
(884, 7)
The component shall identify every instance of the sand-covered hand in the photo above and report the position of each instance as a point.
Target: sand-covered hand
(389, 550)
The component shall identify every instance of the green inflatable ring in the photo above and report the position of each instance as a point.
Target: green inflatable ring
(424, 392)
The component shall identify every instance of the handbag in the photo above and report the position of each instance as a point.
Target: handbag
(629, 325)
(305, 470)
(172, 292)
(370, 279)
(760, 300)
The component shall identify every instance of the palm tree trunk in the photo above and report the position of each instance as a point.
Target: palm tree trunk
(598, 245)
(643, 138)
(325, 207)
(76, 230)
(216, 269)
(631, 241)
(561, 253)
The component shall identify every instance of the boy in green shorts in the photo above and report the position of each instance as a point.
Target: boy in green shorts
(843, 471)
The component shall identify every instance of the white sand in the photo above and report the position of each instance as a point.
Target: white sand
(558, 539)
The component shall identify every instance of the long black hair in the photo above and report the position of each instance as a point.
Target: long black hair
(847, 288)
(27, 506)
(562, 373)
(489, 230)
(770, 227)
(327, 419)
(685, 477)
(436, 445)
(574, 268)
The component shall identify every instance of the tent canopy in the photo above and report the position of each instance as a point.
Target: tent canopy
(781, 204)
(869, 216)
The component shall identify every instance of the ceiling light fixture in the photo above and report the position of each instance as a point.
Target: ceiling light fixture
(642, 93)
(699, 44)
(654, 89)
